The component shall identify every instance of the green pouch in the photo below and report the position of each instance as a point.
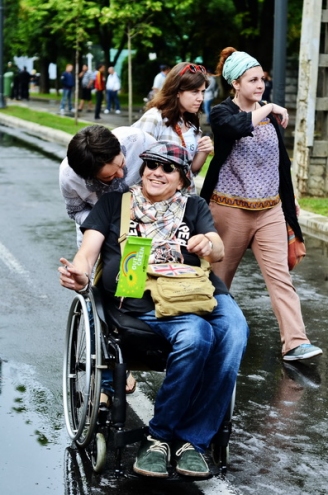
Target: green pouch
(133, 268)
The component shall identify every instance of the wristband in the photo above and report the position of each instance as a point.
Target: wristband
(86, 288)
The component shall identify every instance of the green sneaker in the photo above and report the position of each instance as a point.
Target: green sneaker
(189, 462)
(152, 458)
(303, 351)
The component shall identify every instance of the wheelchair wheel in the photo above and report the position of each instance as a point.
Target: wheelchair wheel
(99, 455)
(82, 371)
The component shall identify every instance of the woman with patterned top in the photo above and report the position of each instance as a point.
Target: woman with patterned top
(173, 114)
(251, 195)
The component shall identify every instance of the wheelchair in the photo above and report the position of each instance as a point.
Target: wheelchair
(99, 337)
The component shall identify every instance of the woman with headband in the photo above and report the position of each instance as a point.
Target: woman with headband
(250, 191)
(173, 114)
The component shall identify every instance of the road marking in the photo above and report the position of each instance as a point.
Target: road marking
(144, 409)
(10, 261)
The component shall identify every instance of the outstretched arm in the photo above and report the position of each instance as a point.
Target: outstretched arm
(75, 275)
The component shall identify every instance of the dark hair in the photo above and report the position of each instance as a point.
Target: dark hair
(90, 149)
(166, 99)
(185, 180)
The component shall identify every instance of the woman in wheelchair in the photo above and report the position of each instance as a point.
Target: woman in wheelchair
(206, 348)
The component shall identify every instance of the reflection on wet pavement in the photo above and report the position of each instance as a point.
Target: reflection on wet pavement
(279, 439)
(32, 438)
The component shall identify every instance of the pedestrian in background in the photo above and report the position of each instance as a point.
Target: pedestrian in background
(268, 86)
(211, 92)
(24, 79)
(68, 83)
(250, 191)
(160, 78)
(99, 87)
(86, 78)
(113, 85)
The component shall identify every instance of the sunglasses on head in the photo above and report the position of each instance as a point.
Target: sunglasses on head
(168, 168)
(193, 69)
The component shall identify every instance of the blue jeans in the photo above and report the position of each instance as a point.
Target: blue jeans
(201, 372)
(112, 99)
(67, 95)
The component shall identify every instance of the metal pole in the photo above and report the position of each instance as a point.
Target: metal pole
(279, 52)
(2, 98)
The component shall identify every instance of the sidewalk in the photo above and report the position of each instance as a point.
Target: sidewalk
(311, 223)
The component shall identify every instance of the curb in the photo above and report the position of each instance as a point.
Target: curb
(314, 224)
(37, 130)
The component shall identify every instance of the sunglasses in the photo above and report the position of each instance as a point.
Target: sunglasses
(193, 69)
(168, 168)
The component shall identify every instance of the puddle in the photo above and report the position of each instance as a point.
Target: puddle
(31, 453)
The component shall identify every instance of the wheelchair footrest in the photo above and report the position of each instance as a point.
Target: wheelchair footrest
(120, 438)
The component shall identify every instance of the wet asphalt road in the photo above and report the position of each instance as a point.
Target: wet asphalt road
(279, 439)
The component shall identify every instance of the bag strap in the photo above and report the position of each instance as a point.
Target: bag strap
(125, 219)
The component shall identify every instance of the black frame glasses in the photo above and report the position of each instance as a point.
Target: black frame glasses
(193, 69)
(168, 168)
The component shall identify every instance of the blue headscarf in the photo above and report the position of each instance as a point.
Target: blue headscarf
(236, 64)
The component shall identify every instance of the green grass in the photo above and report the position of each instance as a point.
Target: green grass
(66, 124)
(204, 169)
(315, 205)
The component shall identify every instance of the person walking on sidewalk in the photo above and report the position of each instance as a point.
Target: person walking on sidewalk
(87, 82)
(99, 87)
(250, 190)
(67, 80)
(113, 85)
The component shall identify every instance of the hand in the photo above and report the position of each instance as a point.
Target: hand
(282, 114)
(199, 244)
(70, 277)
(205, 145)
(298, 208)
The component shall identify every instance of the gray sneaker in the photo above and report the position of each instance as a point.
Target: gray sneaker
(303, 351)
(152, 458)
(189, 462)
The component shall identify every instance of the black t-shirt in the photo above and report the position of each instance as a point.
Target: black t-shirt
(105, 218)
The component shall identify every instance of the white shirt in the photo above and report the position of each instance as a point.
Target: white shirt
(113, 82)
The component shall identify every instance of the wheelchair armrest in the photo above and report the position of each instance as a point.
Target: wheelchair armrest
(116, 316)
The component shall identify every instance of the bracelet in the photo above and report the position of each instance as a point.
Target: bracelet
(210, 242)
(86, 288)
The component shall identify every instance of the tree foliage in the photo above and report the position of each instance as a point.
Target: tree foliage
(174, 30)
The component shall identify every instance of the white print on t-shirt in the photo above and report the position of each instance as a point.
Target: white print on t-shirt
(182, 234)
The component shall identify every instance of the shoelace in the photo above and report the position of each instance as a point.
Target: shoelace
(158, 446)
(188, 446)
(185, 446)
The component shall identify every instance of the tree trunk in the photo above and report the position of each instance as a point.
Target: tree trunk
(44, 75)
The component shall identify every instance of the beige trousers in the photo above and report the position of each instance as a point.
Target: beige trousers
(265, 233)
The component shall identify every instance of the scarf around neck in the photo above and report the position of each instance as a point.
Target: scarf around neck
(160, 222)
